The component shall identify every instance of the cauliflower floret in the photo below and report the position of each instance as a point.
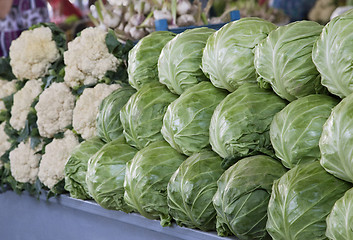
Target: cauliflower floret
(22, 101)
(7, 88)
(32, 53)
(24, 162)
(88, 59)
(54, 109)
(4, 140)
(52, 165)
(87, 108)
(2, 106)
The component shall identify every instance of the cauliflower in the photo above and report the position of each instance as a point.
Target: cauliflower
(7, 88)
(4, 140)
(52, 165)
(87, 108)
(24, 162)
(54, 109)
(32, 53)
(22, 101)
(87, 59)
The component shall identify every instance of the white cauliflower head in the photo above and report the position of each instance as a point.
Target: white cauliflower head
(24, 162)
(52, 165)
(87, 108)
(4, 140)
(22, 101)
(54, 109)
(7, 88)
(88, 59)
(32, 53)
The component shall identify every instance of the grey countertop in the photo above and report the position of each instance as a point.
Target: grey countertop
(23, 217)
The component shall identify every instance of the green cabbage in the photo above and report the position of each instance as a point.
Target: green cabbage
(332, 55)
(300, 202)
(146, 180)
(106, 174)
(240, 124)
(340, 221)
(191, 189)
(284, 61)
(143, 58)
(337, 140)
(76, 167)
(108, 124)
(295, 131)
(142, 116)
(180, 60)
(187, 120)
(242, 197)
(228, 58)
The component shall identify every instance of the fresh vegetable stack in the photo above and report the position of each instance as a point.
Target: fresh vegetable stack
(246, 131)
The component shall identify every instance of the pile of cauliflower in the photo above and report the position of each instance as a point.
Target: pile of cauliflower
(50, 116)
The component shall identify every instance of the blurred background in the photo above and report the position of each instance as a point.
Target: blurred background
(133, 19)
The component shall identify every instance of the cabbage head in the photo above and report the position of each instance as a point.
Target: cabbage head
(332, 55)
(76, 167)
(296, 130)
(143, 58)
(191, 189)
(240, 124)
(109, 125)
(340, 221)
(337, 140)
(228, 58)
(187, 120)
(146, 180)
(142, 116)
(283, 60)
(106, 174)
(242, 197)
(180, 60)
(300, 202)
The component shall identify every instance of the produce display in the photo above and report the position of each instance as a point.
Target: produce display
(244, 131)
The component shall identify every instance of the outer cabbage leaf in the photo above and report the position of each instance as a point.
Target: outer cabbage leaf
(109, 125)
(146, 180)
(296, 130)
(142, 116)
(332, 55)
(340, 221)
(191, 189)
(106, 174)
(337, 140)
(180, 60)
(284, 61)
(300, 202)
(228, 58)
(240, 124)
(242, 197)
(187, 120)
(76, 167)
(143, 58)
